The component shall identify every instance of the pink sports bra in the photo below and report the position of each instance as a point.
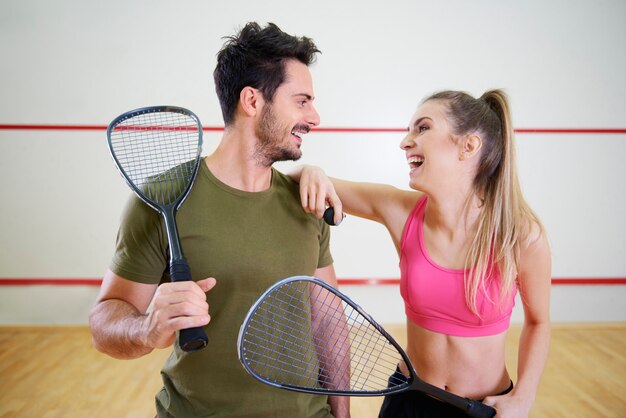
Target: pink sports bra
(434, 296)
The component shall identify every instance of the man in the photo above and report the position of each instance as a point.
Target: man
(241, 229)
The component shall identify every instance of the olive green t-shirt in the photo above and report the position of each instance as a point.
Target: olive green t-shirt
(247, 241)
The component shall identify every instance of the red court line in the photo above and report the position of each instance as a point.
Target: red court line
(44, 127)
(570, 131)
(572, 281)
(42, 281)
(24, 127)
(54, 127)
(39, 281)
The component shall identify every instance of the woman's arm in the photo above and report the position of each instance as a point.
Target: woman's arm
(378, 202)
(534, 280)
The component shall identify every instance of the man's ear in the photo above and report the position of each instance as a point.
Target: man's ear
(250, 100)
(471, 146)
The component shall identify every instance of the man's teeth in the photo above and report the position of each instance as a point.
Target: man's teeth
(298, 134)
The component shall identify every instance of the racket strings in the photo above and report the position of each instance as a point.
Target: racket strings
(157, 152)
(304, 336)
(275, 342)
(372, 358)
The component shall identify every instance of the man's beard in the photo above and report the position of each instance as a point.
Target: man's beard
(271, 134)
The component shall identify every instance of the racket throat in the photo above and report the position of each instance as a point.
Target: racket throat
(176, 252)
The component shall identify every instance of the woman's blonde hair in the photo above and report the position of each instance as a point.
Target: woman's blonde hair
(505, 219)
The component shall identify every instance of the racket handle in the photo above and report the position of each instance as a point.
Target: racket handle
(478, 409)
(329, 216)
(190, 339)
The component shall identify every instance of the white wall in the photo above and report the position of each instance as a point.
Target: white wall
(84, 62)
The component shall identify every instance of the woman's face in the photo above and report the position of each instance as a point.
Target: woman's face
(431, 150)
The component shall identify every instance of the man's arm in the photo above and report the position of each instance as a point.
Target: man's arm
(339, 405)
(123, 327)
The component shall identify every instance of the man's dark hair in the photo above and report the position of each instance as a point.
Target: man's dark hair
(255, 57)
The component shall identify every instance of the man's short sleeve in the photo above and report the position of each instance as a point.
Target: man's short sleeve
(325, 258)
(141, 248)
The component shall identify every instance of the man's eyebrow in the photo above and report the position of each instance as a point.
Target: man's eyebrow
(305, 95)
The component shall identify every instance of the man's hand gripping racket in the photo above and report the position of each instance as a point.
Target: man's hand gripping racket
(157, 150)
(306, 336)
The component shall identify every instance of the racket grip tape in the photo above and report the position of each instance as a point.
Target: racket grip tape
(329, 216)
(478, 409)
(190, 339)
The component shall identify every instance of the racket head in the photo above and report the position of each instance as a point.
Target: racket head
(157, 150)
(306, 336)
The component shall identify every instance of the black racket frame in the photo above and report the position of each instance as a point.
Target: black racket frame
(472, 407)
(190, 339)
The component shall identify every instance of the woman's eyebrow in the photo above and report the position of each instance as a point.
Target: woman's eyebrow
(418, 121)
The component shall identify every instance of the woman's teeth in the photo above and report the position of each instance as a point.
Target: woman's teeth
(415, 161)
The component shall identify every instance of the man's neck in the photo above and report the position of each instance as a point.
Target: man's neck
(233, 164)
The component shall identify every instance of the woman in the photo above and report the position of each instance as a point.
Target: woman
(467, 242)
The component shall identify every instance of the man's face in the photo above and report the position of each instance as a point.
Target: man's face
(291, 114)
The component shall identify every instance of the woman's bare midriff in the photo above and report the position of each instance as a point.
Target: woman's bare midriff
(472, 367)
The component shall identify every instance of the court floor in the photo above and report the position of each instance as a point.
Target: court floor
(55, 372)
